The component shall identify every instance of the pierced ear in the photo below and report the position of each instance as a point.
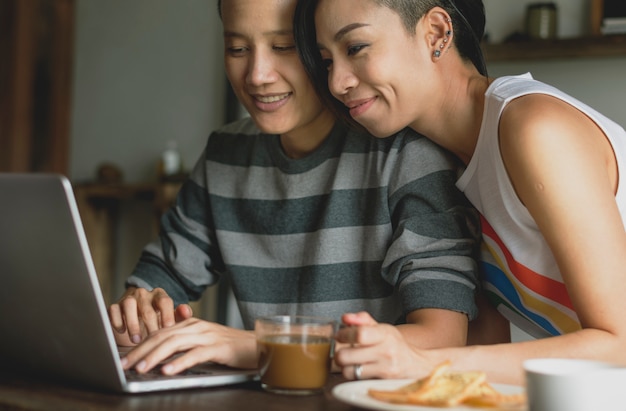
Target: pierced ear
(440, 30)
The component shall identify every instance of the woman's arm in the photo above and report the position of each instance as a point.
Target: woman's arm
(563, 170)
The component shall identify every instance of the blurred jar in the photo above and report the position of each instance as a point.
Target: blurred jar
(541, 21)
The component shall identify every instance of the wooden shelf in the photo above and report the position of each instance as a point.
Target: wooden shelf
(589, 47)
(99, 209)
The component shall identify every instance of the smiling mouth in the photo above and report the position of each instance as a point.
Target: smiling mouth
(272, 99)
(355, 104)
(358, 107)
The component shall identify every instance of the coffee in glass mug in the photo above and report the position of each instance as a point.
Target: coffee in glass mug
(294, 353)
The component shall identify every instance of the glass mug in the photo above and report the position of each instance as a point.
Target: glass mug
(294, 353)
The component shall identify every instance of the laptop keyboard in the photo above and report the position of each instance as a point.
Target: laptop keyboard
(155, 373)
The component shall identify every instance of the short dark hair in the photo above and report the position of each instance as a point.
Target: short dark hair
(219, 8)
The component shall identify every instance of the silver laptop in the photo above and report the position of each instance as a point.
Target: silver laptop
(53, 319)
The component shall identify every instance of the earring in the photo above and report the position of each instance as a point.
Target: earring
(437, 53)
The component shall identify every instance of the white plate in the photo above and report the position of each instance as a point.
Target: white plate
(355, 393)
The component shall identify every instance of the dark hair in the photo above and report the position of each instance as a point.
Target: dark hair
(306, 44)
(468, 22)
(219, 8)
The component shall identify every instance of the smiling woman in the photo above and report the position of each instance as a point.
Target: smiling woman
(543, 216)
(303, 216)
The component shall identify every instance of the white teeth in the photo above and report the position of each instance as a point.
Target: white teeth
(272, 99)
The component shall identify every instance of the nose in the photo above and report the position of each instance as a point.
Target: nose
(341, 79)
(261, 69)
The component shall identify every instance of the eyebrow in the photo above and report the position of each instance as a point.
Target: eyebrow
(348, 29)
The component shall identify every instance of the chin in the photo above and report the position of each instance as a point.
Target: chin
(269, 127)
(266, 122)
(377, 131)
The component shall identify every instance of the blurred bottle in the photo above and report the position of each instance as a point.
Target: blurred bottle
(171, 163)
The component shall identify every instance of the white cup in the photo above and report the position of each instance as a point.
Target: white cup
(555, 384)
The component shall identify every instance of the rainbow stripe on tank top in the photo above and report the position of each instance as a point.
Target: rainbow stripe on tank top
(536, 304)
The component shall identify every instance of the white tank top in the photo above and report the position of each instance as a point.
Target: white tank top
(519, 272)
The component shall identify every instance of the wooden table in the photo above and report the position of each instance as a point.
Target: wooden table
(25, 395)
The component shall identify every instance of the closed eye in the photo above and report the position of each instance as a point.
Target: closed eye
(354, 49)
(237, 51)
(284, 48)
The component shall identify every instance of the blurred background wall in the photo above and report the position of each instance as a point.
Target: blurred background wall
(146, 72)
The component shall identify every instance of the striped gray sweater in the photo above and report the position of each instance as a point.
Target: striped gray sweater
(360, 224)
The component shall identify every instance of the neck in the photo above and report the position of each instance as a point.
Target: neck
(300, 142)
(455, 124)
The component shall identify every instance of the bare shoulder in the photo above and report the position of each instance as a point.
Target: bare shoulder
(545, 144)
(539, 120)
(540, 132)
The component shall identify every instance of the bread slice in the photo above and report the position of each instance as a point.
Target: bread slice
(401, 395)
(449, 389)
(488, 397)
(445, 388)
